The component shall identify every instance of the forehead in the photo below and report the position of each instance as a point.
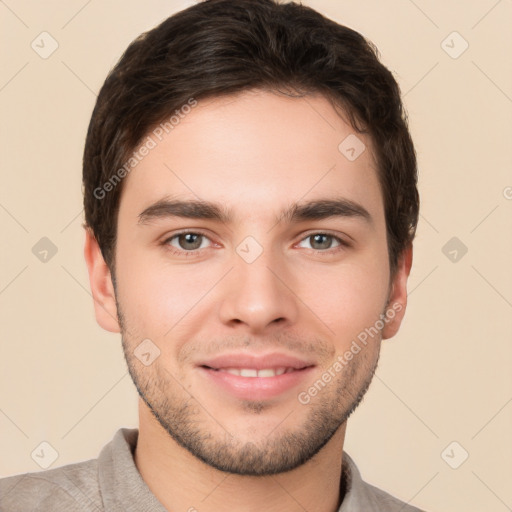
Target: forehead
(254, 152)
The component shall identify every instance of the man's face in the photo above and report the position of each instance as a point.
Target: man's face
(259, 293)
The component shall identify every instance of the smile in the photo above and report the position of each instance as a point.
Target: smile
(255, 376)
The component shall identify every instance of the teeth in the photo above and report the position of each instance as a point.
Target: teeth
(252, 372)
(266, 373)
(246, 372)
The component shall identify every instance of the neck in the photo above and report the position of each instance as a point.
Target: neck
(180, 481)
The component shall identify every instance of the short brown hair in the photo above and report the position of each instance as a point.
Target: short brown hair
(221, 47)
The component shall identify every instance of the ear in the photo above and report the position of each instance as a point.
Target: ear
(397, 302)
(102, 288)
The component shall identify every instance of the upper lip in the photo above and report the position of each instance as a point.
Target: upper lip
(257, 362)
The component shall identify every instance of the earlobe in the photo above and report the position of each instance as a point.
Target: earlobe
(397, 303)
(100, 280)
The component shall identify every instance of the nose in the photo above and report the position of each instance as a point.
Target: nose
(258, 295)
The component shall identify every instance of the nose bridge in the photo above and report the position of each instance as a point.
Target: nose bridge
(255, 294)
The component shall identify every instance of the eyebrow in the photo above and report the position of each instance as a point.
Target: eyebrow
(295, 213)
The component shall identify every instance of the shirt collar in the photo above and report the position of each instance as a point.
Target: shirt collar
(124, 490)
(122, 486)
(356, 489)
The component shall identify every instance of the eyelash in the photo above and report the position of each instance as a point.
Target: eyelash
(181, 252)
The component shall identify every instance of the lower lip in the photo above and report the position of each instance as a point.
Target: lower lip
(256, 388)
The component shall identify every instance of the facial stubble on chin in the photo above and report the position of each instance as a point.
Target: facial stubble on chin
(189, 423)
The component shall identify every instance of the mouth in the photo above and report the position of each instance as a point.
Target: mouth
(251, 377)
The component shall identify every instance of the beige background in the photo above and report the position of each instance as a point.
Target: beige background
(447, 375)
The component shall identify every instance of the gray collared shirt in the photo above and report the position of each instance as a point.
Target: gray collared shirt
(112, 483)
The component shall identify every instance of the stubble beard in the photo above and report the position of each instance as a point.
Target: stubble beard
(189, 424)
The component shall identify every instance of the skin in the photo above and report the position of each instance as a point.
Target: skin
(256, 153)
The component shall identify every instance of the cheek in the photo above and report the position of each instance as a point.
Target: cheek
(348, 299)
(156, 296)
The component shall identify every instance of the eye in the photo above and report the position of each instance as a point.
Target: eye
(324, 241)
(186, 242)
